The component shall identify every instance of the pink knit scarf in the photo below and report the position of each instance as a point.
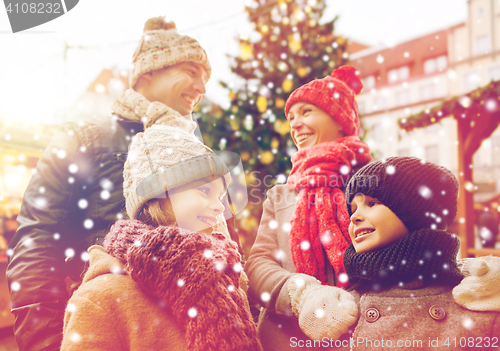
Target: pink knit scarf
(320, 221)
(196, 274)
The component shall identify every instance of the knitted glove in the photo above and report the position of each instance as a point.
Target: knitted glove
(480, 289)
(323, 311)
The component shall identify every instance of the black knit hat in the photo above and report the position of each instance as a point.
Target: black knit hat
(420, 193)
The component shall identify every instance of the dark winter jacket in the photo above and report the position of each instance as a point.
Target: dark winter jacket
(73, 198)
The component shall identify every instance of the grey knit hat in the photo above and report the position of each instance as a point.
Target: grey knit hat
(422, 194)
(161, 46)
(163, 158)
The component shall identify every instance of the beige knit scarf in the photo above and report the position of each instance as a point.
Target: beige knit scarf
(135, 107)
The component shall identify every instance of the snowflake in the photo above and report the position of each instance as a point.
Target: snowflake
(390, 170)
(85, 256)
(69, 252)
(75, 337)
(88, 224)
(273, 224)
(15, 286)
(41, 189)
(61, 154)
(344, 169)
(71, 307)
(180, 283)
(105, 195)
(425, 192)
(467, 323)
(265, 297)
(41, 202)
(10, 252)
(71, 180)
(83, 203)
(220, 266)
(305, 245)
(320, 313)
(28, 242)
(73, 168)
(279, 254)
(192, 312)
(237, 267)
(207, 253)
(343, 278)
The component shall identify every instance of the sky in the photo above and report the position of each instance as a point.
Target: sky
(38, 81)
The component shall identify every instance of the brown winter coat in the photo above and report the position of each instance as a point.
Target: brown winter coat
(111, 312)
(406, 315)
(269, 267)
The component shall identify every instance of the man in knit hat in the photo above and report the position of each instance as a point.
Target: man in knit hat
(76, 192)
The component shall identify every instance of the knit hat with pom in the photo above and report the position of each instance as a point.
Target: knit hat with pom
(161, 46)
(422, 194)
(163, 158)
(335, 95)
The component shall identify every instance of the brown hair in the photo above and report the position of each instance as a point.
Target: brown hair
(157, 213)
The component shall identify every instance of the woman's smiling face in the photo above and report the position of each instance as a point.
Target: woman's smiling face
(373, 225)
(311, 126)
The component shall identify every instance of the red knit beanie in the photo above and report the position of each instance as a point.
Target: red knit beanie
(335, 95)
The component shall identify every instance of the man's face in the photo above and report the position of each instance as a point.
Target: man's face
(180, 86)
(311, 126)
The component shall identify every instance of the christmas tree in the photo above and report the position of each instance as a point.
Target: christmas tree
(290, 48)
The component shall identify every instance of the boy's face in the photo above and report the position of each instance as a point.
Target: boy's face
(310, 125)
(180, 86)
(196, 205)
(373, 225)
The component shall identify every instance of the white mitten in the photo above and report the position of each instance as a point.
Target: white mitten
(480, 289)
(323, 311)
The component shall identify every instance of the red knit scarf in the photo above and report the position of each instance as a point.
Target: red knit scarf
(320, 222)
(195, 275)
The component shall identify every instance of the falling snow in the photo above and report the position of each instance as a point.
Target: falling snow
(69, 253)
(265, 297)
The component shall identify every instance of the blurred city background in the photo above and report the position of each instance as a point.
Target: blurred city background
(430, 69)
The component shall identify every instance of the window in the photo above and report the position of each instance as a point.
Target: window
(398, 74)
(494, 73)
(432, 153)
(435, 64)
(471, 81)
(430, 65)
(427, 92)
(482, 45)
(441, 62)
(402, 98)
(368, 82)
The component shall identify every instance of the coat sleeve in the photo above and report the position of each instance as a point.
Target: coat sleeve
(36, 271)
(90, 327)
(267, 277)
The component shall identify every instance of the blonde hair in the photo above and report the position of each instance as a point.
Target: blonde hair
(157, 213)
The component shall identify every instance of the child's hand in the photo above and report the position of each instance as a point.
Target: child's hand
(323, 311)
(480, 289)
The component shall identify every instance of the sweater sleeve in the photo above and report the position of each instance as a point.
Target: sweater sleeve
(89, 326)
(267, 277)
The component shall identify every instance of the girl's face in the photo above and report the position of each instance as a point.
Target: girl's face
(310, 125)
(196, 205)
(373, 225)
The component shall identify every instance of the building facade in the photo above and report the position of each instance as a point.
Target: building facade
(418, 74)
